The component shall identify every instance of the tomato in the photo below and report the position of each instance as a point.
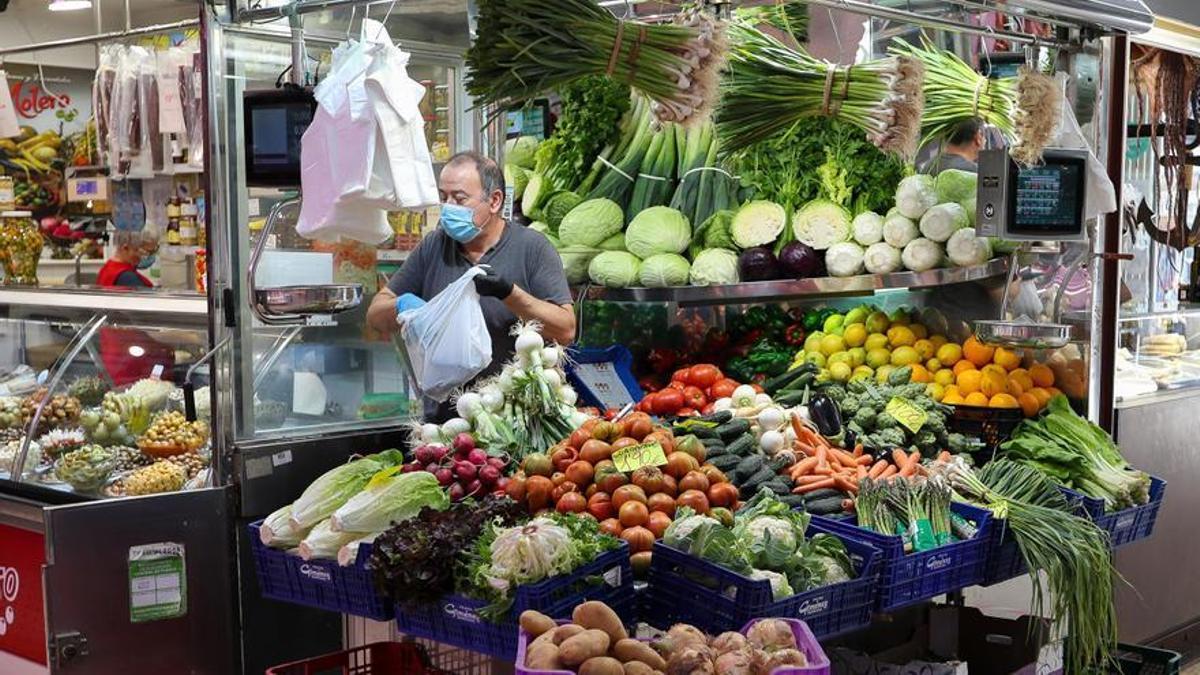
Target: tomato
(605, 431)
(722, 494)
(704, 375)
(677, 385)
(693, 397)
(600, 505)
(627, 493)
(563, 488)
(571, 502)
(563, 457)
(680, 375)
(595, 450)
(638, 426)
(640, 539)
(668, 402)
(662, 503)
(580, 472)
(658, 523)
(578, 438)
(611, 526)
(649, 478)
(640, 563)
(633, 513)
(679, 464)
(708, 409)
(609, 478)
(686, 412)
(538, 490)
(723, 388)
(694, 480)
(695, 500)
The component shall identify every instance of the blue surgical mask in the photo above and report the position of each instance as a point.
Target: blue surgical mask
(459, 222)
(147, 261)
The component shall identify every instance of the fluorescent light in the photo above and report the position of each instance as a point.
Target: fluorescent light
(69, 5)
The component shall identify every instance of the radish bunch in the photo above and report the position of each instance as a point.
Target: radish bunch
(462, 468)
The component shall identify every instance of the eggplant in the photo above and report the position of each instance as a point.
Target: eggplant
(823, 411)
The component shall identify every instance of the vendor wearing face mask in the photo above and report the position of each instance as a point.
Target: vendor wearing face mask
(526, 279)
(135, 250)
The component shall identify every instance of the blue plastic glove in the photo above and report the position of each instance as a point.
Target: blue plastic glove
(408, 301)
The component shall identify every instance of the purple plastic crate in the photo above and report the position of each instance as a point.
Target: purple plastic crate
(818, 662)
(1127, 525)
(323, 584)
(455, 619)
(686, 589)
(906, 579)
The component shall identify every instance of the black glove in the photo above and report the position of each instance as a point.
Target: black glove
(493, 284)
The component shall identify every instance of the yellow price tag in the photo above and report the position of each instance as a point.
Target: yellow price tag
(635, 457)
(912, 417)
(382, 477)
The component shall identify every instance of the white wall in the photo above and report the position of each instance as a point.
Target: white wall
(28, 21)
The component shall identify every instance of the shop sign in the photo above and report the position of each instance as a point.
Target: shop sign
(59, 99)
(157, 582)
(22, 614)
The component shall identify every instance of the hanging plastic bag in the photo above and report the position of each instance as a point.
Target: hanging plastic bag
(9, 127)
(102, 99)
(1101, 195)
(447, 339)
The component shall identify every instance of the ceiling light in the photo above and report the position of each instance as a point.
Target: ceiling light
(69, 5)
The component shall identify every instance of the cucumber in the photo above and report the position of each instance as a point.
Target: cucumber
(720, 417)
(711, 443)
(789, 398)
(750, 465)
(774, 384)
(726, 463)
(780, 485)
(750, 486)
(698, 431)
(741, 446)
(793, 501)
(825, 507)
(798, 384)
(732, 429)
(779, 462)
(823, 494)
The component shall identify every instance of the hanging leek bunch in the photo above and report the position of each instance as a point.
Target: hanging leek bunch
(524, 48)
(788, 16)
(1024, 108)
(770, 86)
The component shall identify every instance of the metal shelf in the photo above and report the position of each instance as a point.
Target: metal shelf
(763, 291)
(107, 299)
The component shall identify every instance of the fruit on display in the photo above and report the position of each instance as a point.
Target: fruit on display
(152, 391)
(171, 434)
(57, 442)
(10, 450)
(87, 468)
(192, 463)
(161, 476)
(90, 390)
(692, 391)
(10, 412)
(118, 420)
(995, 377)
(128, 459)
(61, 410)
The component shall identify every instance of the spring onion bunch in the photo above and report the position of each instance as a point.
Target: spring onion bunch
(1024, 108)
(788, 16)
(770, 86)
(524, 48)
(1072, 551)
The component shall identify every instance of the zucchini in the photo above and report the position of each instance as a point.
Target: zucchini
(798, 384)
(726, 463)
(720, 417)
(732, 429)
(780, 485)
(794, 501)
(748, 466)
(751, 485)
(789, 398)
(774, 384)
(825, 507)
(823, 494)
(742, 446)
(779, 462)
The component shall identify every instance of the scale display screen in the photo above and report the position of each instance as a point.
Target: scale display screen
(1041, 203)
(1048, 198)
(275, 121)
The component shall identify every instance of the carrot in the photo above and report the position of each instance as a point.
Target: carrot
(877, 469)
(899, 458)
(806, 480)
(806, 449)
(797, 424)
(944, 456)
(822, 456)
(803, 466)
(844, 457)
(908, 470)
(889, 472)
(914, 457)
(858, 449)
(862, 473)
(811, 437)
(812, 487)
(845, 485)
(848, 505)
(825, 470)
(865, 460)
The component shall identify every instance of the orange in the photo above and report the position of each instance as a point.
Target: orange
(1013, 386)
(1042, 375)
(1042, 396)
(994, 384)
(952, 398)
(1003, 401)
(953, 389)
(1022, 377)
(993, 368)
(919, 331)
(976, 398)
(1006, 358)
(962, 366)
(1029, 404)
(1054, 391)
(901, 336)
(978, 353)
(970, 381)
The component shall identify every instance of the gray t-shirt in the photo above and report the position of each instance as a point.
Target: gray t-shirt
(948, 160)
(522, 256)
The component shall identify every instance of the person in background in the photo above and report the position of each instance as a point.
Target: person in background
(525, 279)
(134, 250)
(959, 151)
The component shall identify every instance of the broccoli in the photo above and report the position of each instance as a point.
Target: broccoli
(888, 438)
(925, 439)
(865, 417)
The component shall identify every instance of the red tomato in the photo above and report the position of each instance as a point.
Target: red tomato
(722, 388)
(668, 402)
(704, 375)
(708, 409)
(676, 385)
(687, 412)
(693, 397)
(680, 375)
(757, 387)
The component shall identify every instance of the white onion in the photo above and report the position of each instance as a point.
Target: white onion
(530, 343)
(430, 433)
(505, 380)
(551, 377)
(771, 418)
(762, 399)
(455, 426)
(789, 435)
(468, 405)
(723, 404)
(578, 418)
(771, 442)
(492, 398)
(743, 396)
(567, 394)
(551, 356)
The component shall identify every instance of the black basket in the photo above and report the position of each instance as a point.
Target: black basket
(1139, 660)
(992, 425)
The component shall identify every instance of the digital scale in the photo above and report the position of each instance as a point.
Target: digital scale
(275, 120)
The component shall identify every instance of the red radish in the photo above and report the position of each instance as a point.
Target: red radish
(439, 452)
(410, 467)
(497, 462)
(488, 475)
(424, 454)
(457, 492)
(444, 476)
(465, 470)
(464, 442)
(477, 457)
(502, 485)
(474, 487)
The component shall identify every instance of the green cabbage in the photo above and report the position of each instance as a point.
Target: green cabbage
(969, 206)
(658, 229)
(335, 487)
(388, 499)
(717, 230)
(614, 243)
(715, 266)
(757, 223)
(844, 259)
(915, 195)
(558, 206)
(867, 228)
(575, 260)
(591, 222)
(520, 151)
(664, 269)
(943, 220)
(516, 177)
(770, 530)
(921, 254)
(966, 248)
(820, 223)
(615, 269)
(955, 185)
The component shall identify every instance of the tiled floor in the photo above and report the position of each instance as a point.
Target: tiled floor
(1192, 668)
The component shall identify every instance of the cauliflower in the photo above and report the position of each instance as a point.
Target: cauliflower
(780, 588)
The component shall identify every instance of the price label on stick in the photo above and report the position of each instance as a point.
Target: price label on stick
(912, 417)
(636, 456)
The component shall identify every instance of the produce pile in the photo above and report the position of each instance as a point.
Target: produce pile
(595, 642)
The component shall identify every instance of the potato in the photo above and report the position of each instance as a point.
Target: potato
(543, 656)
(579, 648)
(634, 650)
(566, 632)
(772, 634)
(597, 615)
(638, 668)
(602, 665)
(535, 623)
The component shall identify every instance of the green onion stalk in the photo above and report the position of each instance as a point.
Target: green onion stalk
(1072, 551)
(788, 16)
(770, 86)
(524, 48)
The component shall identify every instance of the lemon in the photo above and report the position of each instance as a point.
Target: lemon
(905, 356)
(815, 358)
(925, 348)
(878, 322)
(862, 371)
(858, 356)
(834, 322)
(812, 343)
(945, 376)
(938, 340)
(878, 357)
(858, 314)
(832, 344)
(901, 336)
(900, 317)
(855, 335)
(840, 372)
(936, 391)
(949, 354)
(876, 341)
(882, 372)
(839, 357)
(933, 365)
(920, 331)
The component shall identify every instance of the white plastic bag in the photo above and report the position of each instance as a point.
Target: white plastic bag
(447, 338)
(9, 127)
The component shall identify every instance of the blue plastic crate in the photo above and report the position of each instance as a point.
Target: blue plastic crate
(1127, 525)
(686, 589)
(1004, 559)
(455, 620)
(906, 579)
(323, 584)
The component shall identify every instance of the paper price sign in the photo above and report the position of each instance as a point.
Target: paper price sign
(907, 414)
(635, 457)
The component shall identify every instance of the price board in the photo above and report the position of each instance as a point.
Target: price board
(634, 457)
